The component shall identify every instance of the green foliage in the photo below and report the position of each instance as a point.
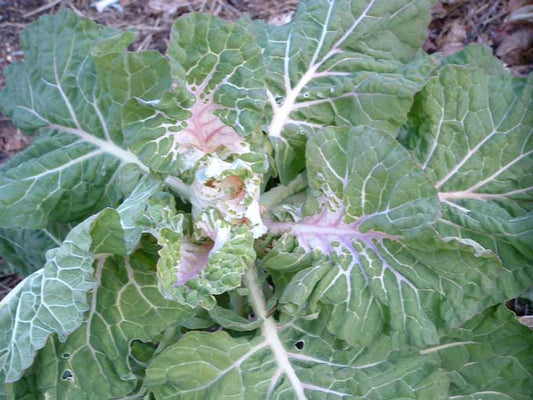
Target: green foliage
(311, 211)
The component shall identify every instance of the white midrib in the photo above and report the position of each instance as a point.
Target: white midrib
(270, 333)
(471, 194)
(281, 114)
(124, 155)
(491, 392)
(310, 229)
(107, 147)
(466, 194)
(445, 346)
(98, 278)
(65, 166)
(473, 151)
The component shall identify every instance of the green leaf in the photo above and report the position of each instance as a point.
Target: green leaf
(24, 389)
(478, 56)
(74, 168)
(94, 362)
(51, 300)
(489, 358)
(341, 63)
(471, 132)
(297, 359)
(375, 268)
(195, 266)
(217, 106)
(24, 249)
(54, 298)
(229, 320)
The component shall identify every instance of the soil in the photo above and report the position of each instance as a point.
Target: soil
(506, 26)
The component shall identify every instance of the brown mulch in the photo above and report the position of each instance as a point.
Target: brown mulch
(506, 26)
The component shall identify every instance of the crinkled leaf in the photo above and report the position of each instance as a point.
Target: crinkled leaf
(489, 358)
(304, 362)
(374, 269)
(73, 169)
(217, 106)
(233, 189)
(341, 63)
(50, 300)
(118, 231)
(24, 249)
(471, 132)
(478, 56)
(54, 298)
(195, 266)
(353, 260)
(94, 362)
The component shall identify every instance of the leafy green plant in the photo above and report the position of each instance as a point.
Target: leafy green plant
(310, 211)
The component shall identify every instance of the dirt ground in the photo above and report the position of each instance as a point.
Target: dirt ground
(506, 26)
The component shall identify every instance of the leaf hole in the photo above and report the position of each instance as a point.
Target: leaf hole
(299, 344)
(66, 356)
(67, 375)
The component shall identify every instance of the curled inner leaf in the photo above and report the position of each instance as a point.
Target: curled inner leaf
(232, 189)
(194, 258)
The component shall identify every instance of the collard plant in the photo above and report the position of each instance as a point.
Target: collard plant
(310, 211)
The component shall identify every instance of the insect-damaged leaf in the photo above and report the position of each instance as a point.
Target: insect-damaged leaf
(340, 63)
(376, 268)
(95, 361)
(53, 299)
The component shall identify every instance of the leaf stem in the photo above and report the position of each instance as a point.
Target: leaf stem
(169, 336)
(279, 193)
(179, 187)
(126, 156)
(270, 332)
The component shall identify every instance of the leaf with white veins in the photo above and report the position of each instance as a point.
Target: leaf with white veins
(341, 63)
(200, 261)
(293, 360)
(24, 249)
(217, 105)
(73, 168)
(50, 300)
(471, 131)
(376, 268)
(489, 358)
(53, 299)
(125, 305)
